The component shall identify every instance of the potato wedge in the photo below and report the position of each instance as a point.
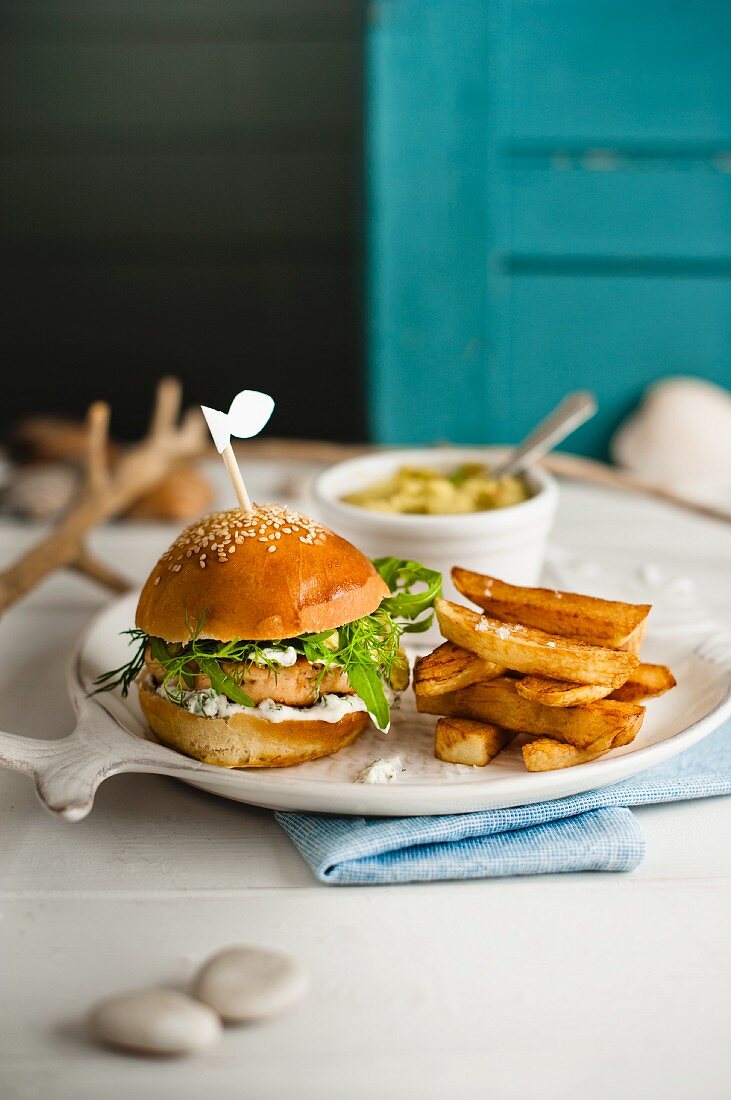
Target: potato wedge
(633, 644)
(525, 649)
(546, 755)
(586, 618)
(449, 668)
(561, 693)
(497, 701)
(646, 682)
(626, 736)
(464, 741)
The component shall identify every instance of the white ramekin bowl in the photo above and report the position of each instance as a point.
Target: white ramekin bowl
(509, 543)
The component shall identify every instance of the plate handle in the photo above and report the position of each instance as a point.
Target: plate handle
(67, 772)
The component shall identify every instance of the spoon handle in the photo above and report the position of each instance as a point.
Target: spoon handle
(575, 409)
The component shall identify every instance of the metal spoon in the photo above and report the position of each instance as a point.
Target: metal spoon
(574, 410)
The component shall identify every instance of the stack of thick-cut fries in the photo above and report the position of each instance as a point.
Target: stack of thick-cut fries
(561, 668)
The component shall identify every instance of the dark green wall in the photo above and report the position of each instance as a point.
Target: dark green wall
(179, 192)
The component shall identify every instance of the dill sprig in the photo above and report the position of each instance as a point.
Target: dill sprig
(368, 650)
(126, 674)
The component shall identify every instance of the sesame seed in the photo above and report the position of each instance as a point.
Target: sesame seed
(224, 531)
(271, 549)
(156, 580)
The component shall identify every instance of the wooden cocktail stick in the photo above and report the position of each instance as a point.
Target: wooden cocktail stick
(229, 458)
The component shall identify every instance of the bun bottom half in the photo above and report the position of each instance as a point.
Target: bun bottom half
(244, 741)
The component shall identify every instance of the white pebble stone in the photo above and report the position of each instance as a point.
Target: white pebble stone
(155, 1021)
(249, 983)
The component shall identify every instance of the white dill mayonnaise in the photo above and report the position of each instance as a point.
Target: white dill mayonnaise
(381, 771)
(212, 704)
(285, 656)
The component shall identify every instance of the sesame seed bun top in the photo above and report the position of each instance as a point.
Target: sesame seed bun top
(266, 576)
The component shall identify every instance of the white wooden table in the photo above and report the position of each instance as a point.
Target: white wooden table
(558, 986)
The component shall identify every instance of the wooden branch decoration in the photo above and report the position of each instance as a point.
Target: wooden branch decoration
(97, 422)
(89, 566)
(105, 494)
(613, 477)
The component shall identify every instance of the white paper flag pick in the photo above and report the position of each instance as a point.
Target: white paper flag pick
(248, 413)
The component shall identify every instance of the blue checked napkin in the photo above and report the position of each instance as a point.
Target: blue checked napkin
(594, 831)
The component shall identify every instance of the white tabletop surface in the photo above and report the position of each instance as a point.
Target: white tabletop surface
(582, 985)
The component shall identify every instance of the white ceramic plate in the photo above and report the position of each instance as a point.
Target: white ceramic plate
(681, 635)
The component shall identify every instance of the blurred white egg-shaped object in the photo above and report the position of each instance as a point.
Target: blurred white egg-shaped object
(680, 437)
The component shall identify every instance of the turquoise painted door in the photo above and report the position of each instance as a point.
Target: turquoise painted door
(549, 207)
